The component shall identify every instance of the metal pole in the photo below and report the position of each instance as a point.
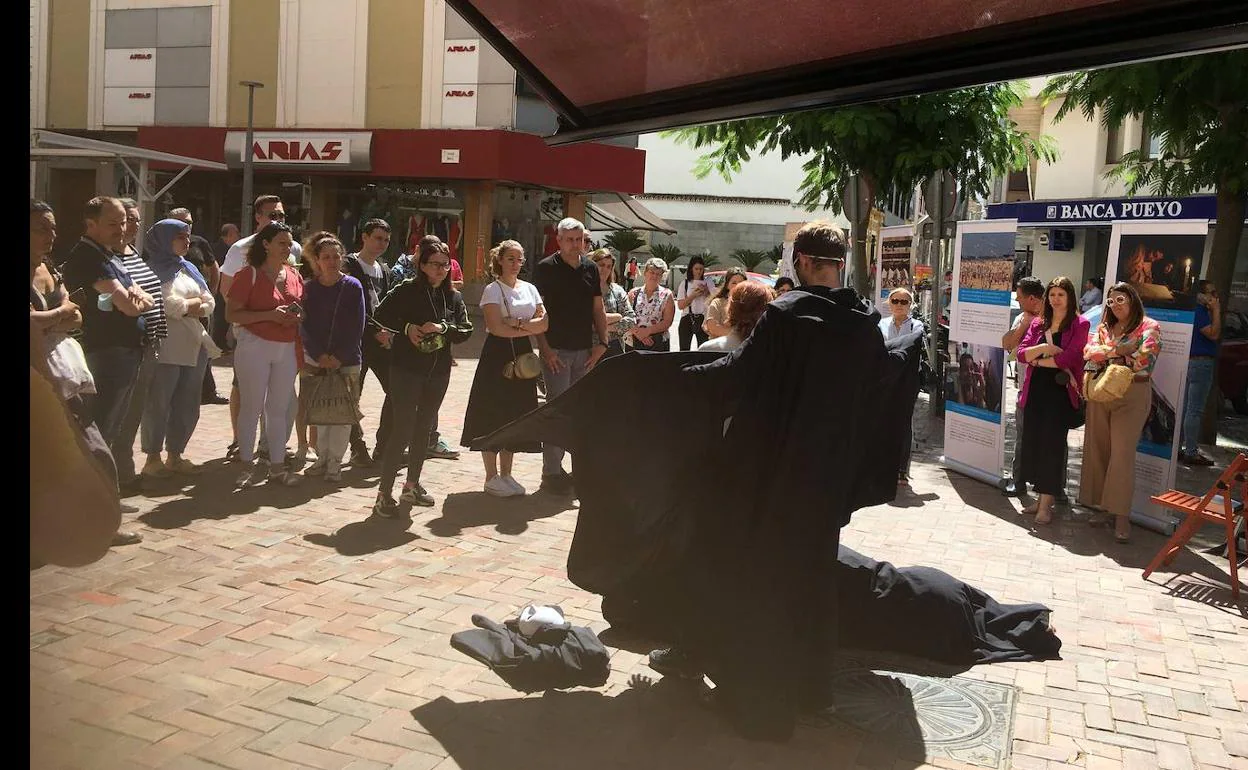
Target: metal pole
(935, 404)
(247, 220)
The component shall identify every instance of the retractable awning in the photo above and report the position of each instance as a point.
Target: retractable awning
(49, 144)
(667, 63)
(611, 211)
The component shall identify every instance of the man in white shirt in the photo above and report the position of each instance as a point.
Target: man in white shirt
(266, 209)
(1091, 295)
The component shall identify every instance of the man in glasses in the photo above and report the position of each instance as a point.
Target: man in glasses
(1030, 295)
(266, 209)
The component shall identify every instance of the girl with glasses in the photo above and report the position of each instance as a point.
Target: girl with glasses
(427, 316)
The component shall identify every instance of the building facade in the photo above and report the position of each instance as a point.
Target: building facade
(1065, 208)
(386, 108)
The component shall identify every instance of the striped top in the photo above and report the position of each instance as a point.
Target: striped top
(154, 324)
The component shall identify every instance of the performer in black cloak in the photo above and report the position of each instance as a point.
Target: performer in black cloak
(746, 574)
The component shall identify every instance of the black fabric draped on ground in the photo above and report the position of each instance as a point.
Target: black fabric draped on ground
(720, 535)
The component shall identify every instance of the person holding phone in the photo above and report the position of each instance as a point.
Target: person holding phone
(264, 300)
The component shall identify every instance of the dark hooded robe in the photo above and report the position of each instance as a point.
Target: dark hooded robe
(801, 421)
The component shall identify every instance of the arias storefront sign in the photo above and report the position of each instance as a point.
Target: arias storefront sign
(349, 151)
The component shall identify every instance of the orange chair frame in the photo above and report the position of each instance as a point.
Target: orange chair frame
(1215, 507)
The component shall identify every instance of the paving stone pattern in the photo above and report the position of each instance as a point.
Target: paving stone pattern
(282, 628)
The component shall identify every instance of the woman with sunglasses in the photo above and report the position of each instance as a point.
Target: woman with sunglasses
(264, 301)
(1052, 351)
(1125, 336)
(427, 316)
(900, 323)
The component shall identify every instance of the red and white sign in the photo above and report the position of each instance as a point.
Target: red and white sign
(344, 150)
(460, 61)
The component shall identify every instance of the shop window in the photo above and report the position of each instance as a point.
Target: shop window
(413, 210)
(529, 216)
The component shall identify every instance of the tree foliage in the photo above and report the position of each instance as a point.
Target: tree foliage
(1197, 106)
(668, 252)
(750, 258)
(623, 241)
(893, 145)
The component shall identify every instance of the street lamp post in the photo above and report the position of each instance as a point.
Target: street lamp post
(247, 220)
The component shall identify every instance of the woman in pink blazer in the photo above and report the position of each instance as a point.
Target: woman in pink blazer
(1052, 351)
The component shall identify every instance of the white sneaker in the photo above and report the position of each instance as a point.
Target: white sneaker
(498, 487)
(516, 485)
(317, 468)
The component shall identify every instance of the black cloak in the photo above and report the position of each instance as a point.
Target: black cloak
(732, 528)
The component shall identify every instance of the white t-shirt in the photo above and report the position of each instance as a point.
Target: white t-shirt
(373, 270)
(520, 302)
(698, 305)
(728, 343)
(236, 257)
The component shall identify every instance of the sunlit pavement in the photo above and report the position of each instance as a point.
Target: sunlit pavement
(283, 628)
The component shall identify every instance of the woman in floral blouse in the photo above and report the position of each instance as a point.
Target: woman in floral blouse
(655, 307)
(1125, 336)
(620, 317)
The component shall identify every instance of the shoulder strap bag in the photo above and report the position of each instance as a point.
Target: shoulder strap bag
(523, 366)
(328, 395)
(1078, 414)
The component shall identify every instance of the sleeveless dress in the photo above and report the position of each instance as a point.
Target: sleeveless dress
(1046, 415)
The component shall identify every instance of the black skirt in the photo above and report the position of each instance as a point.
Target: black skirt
(495, 400)
(1045, 420)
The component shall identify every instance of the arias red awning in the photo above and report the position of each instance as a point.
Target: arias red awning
(611, 67)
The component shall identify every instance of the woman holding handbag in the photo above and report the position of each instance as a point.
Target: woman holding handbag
(427, 316)
(1052, 351)
(505, 385)
(1131, 341)
(333, 323)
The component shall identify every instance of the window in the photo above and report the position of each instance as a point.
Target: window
(1114, 144)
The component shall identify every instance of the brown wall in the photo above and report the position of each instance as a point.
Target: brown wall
(69, 56)
(396, 33)
(254, 35)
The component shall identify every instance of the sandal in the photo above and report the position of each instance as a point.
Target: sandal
(1122, 538)
(1098, 519)
(1030, 510)
(1048, 518)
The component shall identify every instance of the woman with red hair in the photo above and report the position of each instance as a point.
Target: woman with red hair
(746, 304)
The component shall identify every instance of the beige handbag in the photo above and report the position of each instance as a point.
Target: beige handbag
(1109, 384)
(525, 366)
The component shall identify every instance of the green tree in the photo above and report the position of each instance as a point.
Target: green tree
(1197, 107)
(751, 258)
(892, 145)
(623, 241)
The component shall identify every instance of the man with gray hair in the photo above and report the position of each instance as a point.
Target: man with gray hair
(576, 337)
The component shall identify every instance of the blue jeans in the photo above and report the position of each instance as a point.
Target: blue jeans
(573, 369)
(114, 370)
(172, 409)
(1199, 380)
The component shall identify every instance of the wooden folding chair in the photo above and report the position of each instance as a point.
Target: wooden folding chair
(1215, 506)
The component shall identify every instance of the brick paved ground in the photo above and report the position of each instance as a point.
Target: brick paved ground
(281, 629)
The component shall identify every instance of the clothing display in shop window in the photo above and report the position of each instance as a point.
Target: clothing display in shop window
(415, 231)
(552, 240)
(441, 228)
(527, 234)
(346, 228)
(452, 236)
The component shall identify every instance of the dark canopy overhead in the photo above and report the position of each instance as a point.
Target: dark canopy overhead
(612, 67)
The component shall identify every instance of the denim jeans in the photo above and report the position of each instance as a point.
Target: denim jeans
(114, 370)
(574, 364)
(1199, 381)
(172, 409)
(123, 444)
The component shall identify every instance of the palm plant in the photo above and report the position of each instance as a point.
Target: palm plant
(709, 259)
(750, 258)
(668, 252)
(623, 241)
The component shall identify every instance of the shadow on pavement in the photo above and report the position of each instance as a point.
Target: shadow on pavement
(658, 727)
(509, 515)
(1203, 592)
(213, 496)
(908, 498)
(1071, 532)
(371, 535)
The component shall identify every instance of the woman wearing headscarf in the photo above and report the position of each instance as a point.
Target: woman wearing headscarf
(172, 409)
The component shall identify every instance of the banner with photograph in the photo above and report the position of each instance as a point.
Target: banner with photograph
(1162, 260)
(983, 281)
(894, 267)
(981, 286)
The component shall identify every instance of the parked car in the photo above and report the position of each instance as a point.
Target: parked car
(767, 280)
(1232, 356)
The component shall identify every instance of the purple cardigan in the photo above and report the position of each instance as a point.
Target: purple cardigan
(1070, 359)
